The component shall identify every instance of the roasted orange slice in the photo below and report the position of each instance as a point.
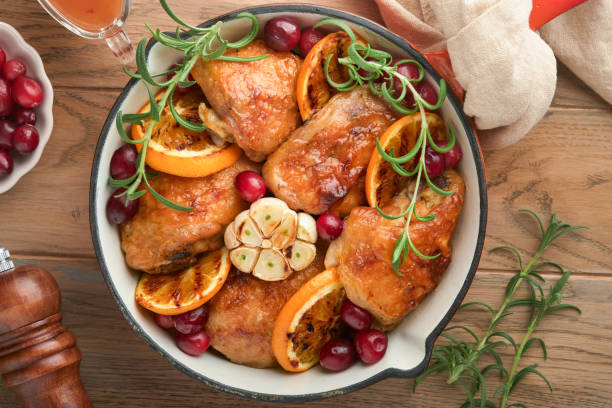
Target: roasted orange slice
(172, 294)
(179, 151)
(313, 90)
(382, 182)
(309, 319)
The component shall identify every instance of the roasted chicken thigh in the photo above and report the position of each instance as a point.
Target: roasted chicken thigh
(364, 252)
(160, 240)
(256, 99)
(243, 313)
(323, 160)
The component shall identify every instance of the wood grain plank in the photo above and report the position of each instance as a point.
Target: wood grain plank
(561, 166)
(572, 92)
(52, 214)
(119, 370)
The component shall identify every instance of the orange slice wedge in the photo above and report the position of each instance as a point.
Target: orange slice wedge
(382, 182)
(313, 90)
(309, 319)
(179, 151)
(172, 294)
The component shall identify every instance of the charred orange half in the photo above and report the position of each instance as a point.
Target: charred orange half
(382, 182)
(313, 90)
(309, 319)
(172, 294)
(179, 151)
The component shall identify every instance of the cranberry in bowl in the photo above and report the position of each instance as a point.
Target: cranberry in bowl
(31, 104)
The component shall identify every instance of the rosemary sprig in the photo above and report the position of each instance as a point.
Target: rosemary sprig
(378, 64)
(194, 43)
(459, 360)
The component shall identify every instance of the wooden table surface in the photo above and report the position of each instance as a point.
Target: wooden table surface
(564, 165)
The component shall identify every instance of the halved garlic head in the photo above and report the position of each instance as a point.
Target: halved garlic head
(270, 240)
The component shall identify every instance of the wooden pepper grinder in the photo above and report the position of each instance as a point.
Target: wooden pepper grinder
(39, 359)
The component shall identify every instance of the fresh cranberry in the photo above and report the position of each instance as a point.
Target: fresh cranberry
(27, 92)
(6, 163)
(355, 316)
(193, 344)
(427, 92)
(453, 156)
(371, 345)
(337, 354)
(6, 101)
(409, 70)
(309, 38)
(6, 134)
(192, 321)
(164, 321)
(13, 69)
(2, 58)
(117, 211)
(250, 185)
(434, 162)
(123, 162)
(329, 226)
(25, 139)
(24, 116)
(281, 34)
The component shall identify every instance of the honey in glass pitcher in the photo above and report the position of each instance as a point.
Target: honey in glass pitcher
(95, 19)
(90, 15)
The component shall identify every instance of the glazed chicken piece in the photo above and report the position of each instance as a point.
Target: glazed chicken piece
(323, 160)
(161, 240)
(364, 251)
(242, 314)
(256, 99)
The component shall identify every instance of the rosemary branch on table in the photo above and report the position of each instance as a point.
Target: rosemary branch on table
(195, 43)
(380, 64)
(459, 359)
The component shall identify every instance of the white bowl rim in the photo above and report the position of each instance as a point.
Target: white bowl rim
(385, 373)
(45, 109)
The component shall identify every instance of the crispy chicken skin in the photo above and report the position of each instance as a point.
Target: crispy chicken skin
(257, 99)
(243, 313)
(365, 249)
(160, 240)
(322, 160)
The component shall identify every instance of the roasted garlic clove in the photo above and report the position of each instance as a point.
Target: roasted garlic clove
(246, 230)
(301, 255)
(244, 258)
(286, 231)
(231, 241)
(307, 228)
(268, 213)
(271, 266)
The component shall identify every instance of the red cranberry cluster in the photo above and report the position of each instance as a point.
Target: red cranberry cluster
(19, 95)
(189, 331)
(436, 163)
(283, 34)
(369, 344)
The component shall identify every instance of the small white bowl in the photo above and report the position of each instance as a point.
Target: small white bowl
(14, 46)
(410, 344)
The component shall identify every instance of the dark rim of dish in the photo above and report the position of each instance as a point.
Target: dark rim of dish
(386, 373)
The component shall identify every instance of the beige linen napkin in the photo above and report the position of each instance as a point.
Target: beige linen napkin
(507, 70)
